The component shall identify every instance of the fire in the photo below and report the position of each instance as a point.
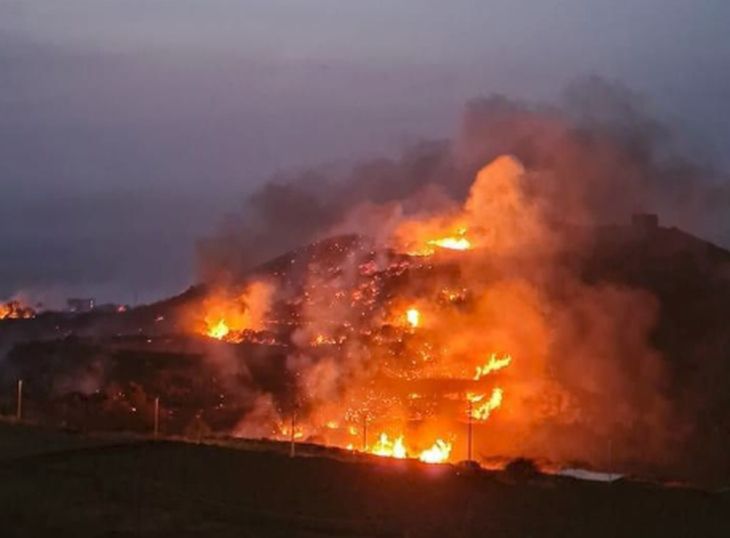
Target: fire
(386, 447)
(438, 453)
(494, 364)
(424, 238)
(354, 324)
(15, 310)
(413, 317)
(451, 243)
(227, 315)
(482, 411)
(218, 330)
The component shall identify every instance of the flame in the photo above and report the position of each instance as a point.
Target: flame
(424, 238)
(482, 411)
(15, 310)
(358, 354)
(386, 447)
(438, 453)
(413, 317)
(218, 330)
(452, 243)
(227, 315)
(494, 364)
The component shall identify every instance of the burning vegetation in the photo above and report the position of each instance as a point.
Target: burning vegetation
(437, 309)
(16, 310)
(453, 335)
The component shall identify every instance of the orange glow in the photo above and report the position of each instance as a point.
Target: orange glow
(15, 310)
(218, 330)
(386, 447)
(413, 317)
(377, 340)
(438, 453)
(425, 238)
(452, 243)
(482, 411)
(226, 316)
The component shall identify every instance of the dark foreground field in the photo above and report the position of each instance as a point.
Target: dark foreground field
(58, 485)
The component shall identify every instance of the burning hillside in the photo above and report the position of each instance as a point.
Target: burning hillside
(456, 334)
(455, 304)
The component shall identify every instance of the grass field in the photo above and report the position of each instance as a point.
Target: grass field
(65, 485)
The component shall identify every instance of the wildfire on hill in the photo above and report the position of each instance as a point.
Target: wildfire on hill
(439, 337)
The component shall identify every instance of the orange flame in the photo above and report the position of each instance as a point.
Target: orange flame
(386, 447)
(481, 412)
(226, 316)
(15, 310)
(413, 317)
(494, 364)
(452, 243)
(218, 330)
(438, 453)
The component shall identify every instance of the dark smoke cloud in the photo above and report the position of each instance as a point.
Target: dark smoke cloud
(598, 157)
(291, 210)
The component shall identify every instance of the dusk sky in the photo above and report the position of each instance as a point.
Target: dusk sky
(129, 127)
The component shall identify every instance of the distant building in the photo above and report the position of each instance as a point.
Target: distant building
(80, 305)
(110, 308)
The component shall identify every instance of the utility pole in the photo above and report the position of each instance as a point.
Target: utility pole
(292, 450)
(610, 460)
(157, 417)
(364, 433)
(19, 405)
(469, 432)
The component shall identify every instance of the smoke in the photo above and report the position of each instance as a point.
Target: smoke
(597, 157)
(585, 374)
(600, 157)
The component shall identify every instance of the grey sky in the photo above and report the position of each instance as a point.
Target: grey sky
(128, 126)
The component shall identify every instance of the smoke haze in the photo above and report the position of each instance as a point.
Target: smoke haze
(179, 107)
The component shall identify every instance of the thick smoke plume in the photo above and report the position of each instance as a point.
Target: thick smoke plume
(599, 158)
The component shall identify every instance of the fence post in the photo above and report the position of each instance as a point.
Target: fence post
(19, 404)
(157, 417)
